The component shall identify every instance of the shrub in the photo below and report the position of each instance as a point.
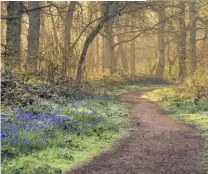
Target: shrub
(196, 87)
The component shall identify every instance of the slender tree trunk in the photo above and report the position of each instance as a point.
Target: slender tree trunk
(103, 56)
(182, 43)
(97, 64)
(68, 53)
(14, 8)
(114, 61)
(133, 54)
(91, 58)
(97, 47)
(33, 36)
(132, 58)
(168, 57)
(170, 61)
(91, 51)
(108, 44)
(122, 54)
(161, 41)
(57, 43)
(192, 46)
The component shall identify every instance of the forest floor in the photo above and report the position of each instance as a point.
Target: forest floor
(157, 144)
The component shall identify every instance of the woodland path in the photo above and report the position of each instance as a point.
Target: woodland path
(156, 145)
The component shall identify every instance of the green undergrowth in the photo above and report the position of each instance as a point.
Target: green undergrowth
(98, 123)
(184, 110)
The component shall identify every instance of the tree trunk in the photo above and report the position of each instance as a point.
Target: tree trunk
(171, 61)
(161, 41)
(108, 44)
(182, 43)
(68, 53)
(97, 64)
(122, 55)
(14, 8)
(103, 56)
(132, 58)
(33, 36)
(57, 43)
(114, 61)
(121, 51)
(91, 51)
(91, 58)
(192, 46)
(133, 54)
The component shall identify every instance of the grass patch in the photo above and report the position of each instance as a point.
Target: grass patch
(184, 110)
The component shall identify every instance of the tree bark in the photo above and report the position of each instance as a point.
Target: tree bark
(161, 41)
(122, 54)
(108, 44)
(97, 47)
(14, 8)
(97, 64)
(133, 54)
(114, 61)
(182, 43)
(91, 58)
(192, 46)
(67, 54)
(171, 61)
(103, 56)
(132, 58)
(33, 36)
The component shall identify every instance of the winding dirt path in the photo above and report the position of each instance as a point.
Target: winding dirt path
(156, 145)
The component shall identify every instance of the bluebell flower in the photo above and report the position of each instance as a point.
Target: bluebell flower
(13, 140)
(79, 130)
(4, 135)
(26, 143)
(43, 140)
(89, 126)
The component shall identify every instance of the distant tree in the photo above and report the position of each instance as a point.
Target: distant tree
(161, 41)
(192, 44)
(108, 52)
(182, 42)
(33, 35)
(67, 53)
(133, 53)
(121, 50)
